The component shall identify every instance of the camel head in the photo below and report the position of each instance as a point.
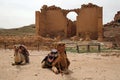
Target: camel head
(19, 48)
(61, 47)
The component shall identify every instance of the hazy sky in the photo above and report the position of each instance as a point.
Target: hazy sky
(17, 13)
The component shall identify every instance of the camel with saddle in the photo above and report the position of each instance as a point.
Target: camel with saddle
(61, 63)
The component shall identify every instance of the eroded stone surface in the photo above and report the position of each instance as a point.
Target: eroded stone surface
(52, 21)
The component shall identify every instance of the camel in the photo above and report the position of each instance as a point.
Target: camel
(19, 57)
(62, 63)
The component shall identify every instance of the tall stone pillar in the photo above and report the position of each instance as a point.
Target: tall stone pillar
(40, 23)
(66, 29)
(37, 22)
(77, 32)
(100, 25)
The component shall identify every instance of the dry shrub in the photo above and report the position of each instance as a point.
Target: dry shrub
(29, 41)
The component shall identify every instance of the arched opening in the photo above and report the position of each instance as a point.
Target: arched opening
(72, 16)
(71, 24)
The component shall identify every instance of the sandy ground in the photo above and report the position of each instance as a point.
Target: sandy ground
(86, 66)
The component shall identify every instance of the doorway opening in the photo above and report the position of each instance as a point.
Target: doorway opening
(71, 24)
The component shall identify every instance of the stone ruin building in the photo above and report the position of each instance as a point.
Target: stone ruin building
(52, 21)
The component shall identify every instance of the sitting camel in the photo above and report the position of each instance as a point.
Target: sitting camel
(57, 59)
(61, 63)
(21, 55)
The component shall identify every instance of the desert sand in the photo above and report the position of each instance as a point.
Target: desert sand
(86, 66)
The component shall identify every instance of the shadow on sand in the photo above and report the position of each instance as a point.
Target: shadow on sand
(68, 76)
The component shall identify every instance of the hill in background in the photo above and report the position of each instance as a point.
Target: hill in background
(25, 30)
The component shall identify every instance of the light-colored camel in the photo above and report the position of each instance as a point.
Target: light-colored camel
(19, 58)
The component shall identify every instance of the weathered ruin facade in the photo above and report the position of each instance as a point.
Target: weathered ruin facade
(52, 21)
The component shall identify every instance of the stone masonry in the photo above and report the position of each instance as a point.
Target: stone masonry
(52, 22)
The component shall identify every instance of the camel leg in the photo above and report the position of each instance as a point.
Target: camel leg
(55, 70)
(68, 62)
(43, 64)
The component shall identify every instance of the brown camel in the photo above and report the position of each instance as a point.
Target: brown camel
(62, 63)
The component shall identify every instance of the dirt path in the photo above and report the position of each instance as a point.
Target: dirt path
(83, 67)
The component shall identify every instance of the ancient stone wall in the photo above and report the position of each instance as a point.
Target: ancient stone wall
(56, 23)
(89, 21)
(71, 28)
(52, 21)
